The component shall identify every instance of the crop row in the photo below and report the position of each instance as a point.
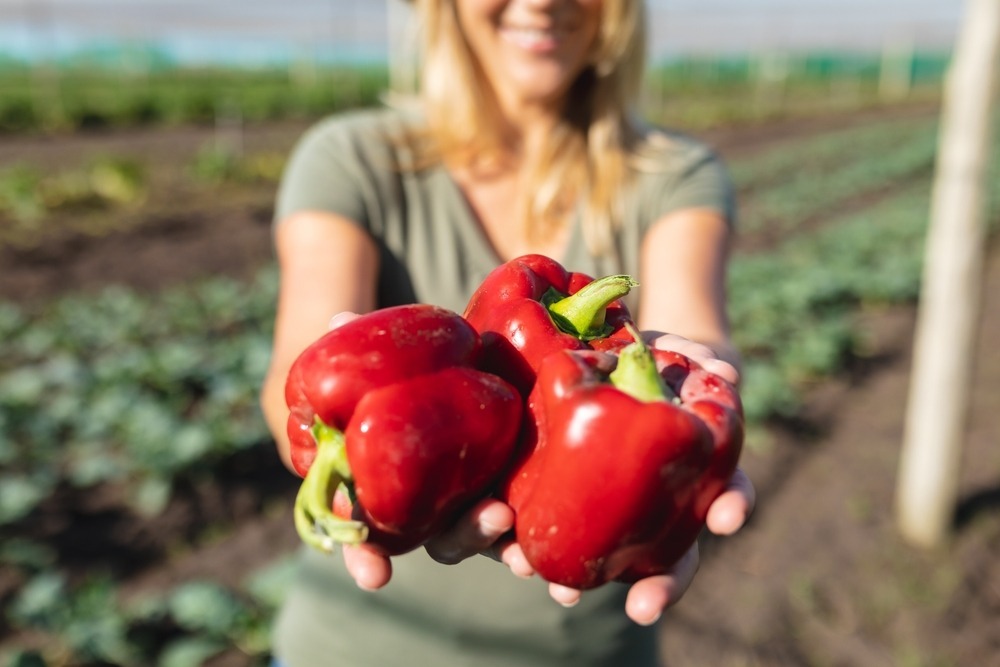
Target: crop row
(50, 98)
(829, 151)
(779, 200)
(796, 181)
(54, 99)
(93, 198)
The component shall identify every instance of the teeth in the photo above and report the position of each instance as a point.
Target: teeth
(530, 36)
(533, 33)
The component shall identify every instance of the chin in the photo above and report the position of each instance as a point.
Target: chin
(541, 87)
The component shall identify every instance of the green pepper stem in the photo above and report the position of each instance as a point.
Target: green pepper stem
(636, 373)
(582, 314)
(315, 521)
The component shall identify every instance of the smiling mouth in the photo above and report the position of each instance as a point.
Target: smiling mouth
(531, 39)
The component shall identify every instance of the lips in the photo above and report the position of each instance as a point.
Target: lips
(535, 40)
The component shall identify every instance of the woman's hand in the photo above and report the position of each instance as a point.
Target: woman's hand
(648, 598)
(700, 353)
(478, 531)
(481, 530)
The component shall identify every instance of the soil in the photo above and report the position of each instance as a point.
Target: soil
(819, 576)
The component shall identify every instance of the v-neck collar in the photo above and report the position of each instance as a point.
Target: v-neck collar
(468, 220)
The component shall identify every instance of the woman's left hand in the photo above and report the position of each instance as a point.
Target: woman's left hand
(481, 529)
(478, 531)
(649, 598)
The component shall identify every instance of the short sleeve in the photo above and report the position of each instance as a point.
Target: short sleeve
(326, 172)
(690, 176)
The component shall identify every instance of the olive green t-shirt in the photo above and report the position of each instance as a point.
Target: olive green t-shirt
(433, 250)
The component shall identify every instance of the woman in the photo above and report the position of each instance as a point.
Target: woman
(523, 140)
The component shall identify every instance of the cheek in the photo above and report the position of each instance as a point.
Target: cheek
(477, 21)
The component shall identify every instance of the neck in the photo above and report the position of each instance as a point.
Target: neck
(527, 126)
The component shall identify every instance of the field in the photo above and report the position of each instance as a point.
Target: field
(145, 519)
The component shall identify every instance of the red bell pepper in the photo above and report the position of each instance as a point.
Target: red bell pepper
(630, 450)
(531, 306)
(391, 412)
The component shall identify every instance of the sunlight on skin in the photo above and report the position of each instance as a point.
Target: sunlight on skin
(730, 510)
(476, 532)
(370, 571)
(697, 352)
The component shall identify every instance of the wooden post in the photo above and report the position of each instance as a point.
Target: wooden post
(948, 314)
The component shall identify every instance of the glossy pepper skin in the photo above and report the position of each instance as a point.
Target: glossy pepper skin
(390, 413)
(531, 306)
(619, 481)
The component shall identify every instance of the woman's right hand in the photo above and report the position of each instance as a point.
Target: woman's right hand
(478, 531)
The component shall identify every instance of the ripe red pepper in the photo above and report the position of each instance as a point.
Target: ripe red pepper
(531, 306)
(630, 451)
(390, 412)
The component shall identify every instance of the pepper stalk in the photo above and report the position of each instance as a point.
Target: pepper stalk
(315, 521)
(636, 373)
(583, 314)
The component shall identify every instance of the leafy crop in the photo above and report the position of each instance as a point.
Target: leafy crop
(73, 98)
(793, 309)
(796, 183)
(792, 313)
(89, 623)
(28, 194)
(113, 387)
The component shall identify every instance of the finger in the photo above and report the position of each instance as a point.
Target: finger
(685, 346)
(567, 597)
(723, 369)
(341, 319)
(475, 532)
(510, 554)
(704, 355)
(648, 598)
(369, 570)
(730, 510)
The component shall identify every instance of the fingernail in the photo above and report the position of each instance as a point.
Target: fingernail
(491, 530)
(521, 569)
(570, 605)
(495, 521)
(653, 620)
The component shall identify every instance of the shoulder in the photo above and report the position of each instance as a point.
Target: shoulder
(670, 152)
(365, 134)
(674, 171)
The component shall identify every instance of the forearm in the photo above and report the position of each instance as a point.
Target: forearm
(683, 279)
(328, 265)
(272, 403)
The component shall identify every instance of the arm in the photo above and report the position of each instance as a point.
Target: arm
(683, 273)
(327, 265)
(682, 307)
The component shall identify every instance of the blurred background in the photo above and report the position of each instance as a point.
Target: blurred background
(144, 516)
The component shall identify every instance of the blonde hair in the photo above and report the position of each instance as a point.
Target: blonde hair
(587, 156)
